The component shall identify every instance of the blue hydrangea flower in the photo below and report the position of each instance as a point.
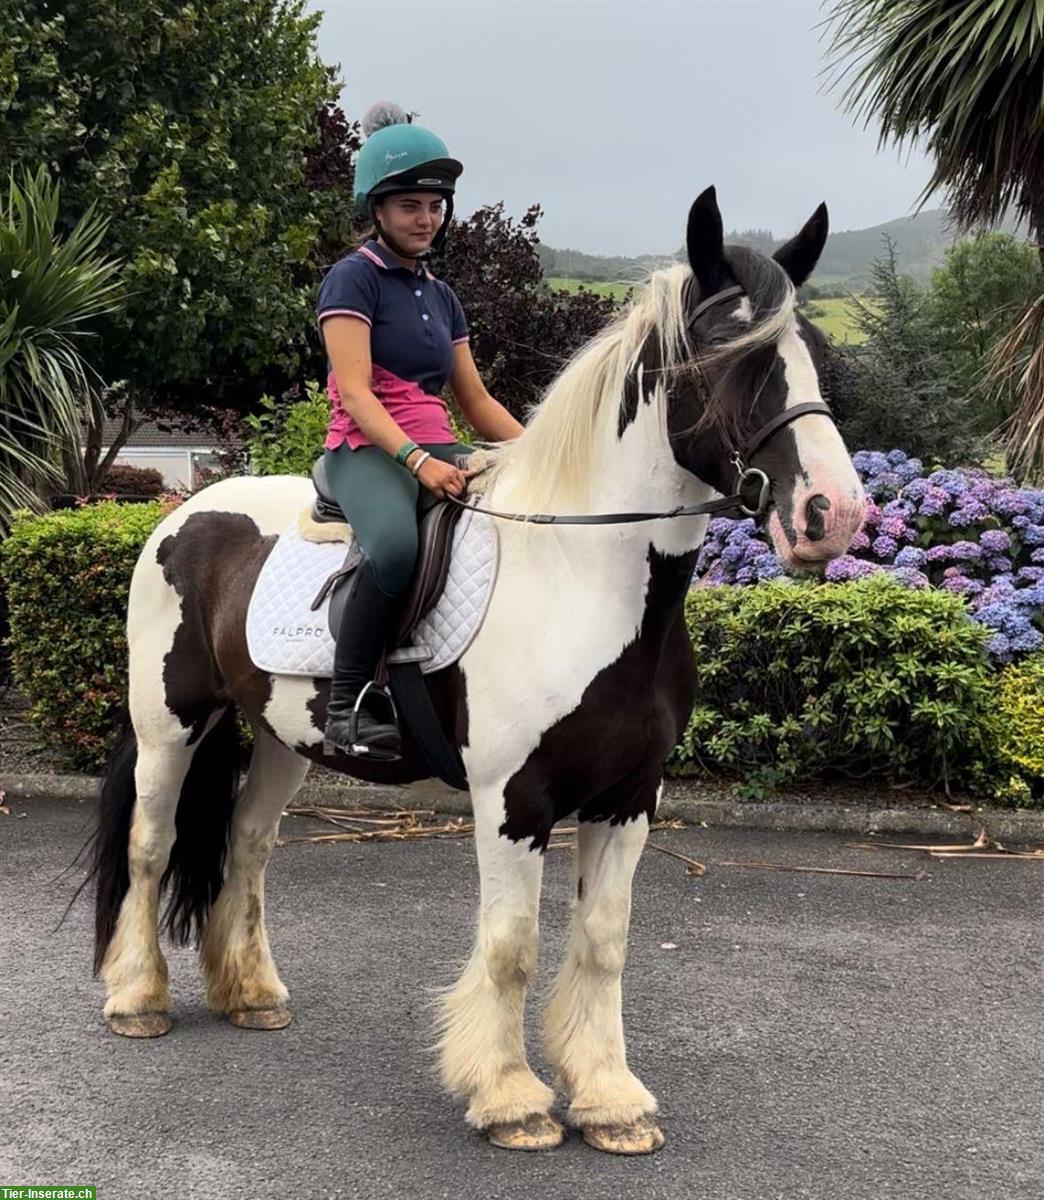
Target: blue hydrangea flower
(910, 577)
(911, 556)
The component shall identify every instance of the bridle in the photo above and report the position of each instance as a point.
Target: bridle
(746, 476)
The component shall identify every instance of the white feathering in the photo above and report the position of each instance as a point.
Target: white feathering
(381, 114)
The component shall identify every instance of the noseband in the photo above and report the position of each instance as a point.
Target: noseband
(746, 476)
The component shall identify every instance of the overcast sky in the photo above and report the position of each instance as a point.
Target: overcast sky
(614, 114)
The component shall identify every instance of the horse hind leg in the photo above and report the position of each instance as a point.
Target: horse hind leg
(241, 977)
(135, 835)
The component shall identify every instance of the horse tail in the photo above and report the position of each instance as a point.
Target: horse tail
(108, 863)
(195, 870)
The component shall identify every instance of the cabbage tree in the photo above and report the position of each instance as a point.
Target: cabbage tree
(51, 288)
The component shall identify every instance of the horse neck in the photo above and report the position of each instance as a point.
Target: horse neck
(637, 471)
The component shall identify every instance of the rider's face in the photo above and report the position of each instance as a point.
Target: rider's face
(412, 219)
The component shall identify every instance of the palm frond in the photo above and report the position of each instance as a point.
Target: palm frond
(967, 79)
(1017, 363)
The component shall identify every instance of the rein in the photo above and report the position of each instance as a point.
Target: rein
(746, 475)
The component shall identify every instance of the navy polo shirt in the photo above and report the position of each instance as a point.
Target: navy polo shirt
(415, 320)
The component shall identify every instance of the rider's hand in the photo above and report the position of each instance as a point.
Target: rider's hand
(439, 477)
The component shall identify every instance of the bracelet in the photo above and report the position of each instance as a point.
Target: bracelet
(404, 452)
(420, 462)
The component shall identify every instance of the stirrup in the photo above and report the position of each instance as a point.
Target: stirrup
(358, 749)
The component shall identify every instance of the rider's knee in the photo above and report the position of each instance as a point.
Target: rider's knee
(394, 561)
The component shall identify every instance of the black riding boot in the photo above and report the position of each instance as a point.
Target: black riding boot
(362, 725)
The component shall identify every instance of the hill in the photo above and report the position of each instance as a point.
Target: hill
(920, 242)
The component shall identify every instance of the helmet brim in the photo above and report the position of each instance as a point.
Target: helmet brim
(438, 175)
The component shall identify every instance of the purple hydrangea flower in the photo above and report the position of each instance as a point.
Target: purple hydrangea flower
(896, 527)
(871, 515)
(961, 585)
(995, 541)
(885, 547)
(846, 567)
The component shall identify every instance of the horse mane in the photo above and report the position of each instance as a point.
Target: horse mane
(551, 464)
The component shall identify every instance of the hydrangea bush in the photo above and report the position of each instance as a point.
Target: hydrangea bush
(964, 531)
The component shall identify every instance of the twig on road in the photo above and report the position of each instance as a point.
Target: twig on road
(982, 847)
(765, 866)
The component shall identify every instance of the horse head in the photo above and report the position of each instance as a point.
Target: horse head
(745, 397)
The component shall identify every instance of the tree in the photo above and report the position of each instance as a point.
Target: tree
(969, 80)
(51, 288)
(895, 390)
(193, 128)
(522, 332)
(973, 300)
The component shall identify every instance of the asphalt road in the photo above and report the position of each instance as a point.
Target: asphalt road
(830, 1037)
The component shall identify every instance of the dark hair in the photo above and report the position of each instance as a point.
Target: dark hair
(746, 368)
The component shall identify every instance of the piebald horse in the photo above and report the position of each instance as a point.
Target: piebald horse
(567, 702)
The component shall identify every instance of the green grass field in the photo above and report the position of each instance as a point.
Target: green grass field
(618, 291)
(834, 316)
(837, 319)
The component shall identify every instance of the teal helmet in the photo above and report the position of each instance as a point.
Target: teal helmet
(399, 156)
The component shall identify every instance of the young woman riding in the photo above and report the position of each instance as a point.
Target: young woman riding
(395, 337)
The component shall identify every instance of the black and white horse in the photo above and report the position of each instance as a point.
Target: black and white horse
(567, 702)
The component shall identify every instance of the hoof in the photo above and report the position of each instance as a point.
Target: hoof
(140, 1025)
(643, 1136)
(538, 1131)
(261, 1018)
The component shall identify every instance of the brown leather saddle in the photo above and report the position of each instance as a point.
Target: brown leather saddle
(437, 520)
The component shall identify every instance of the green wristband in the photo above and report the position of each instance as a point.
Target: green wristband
(404, 452)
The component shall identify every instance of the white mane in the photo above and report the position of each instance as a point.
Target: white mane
(549, 468)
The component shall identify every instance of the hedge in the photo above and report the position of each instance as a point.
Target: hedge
(67, 575)
(796, 680)
(866, 678)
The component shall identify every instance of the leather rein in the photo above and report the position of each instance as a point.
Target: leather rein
(745, 475)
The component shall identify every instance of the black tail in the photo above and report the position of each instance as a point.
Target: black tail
(197, 861)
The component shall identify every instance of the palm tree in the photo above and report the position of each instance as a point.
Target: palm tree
(50, 288)
(966, 77)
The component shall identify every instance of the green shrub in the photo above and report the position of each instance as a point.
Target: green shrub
(67, 575)
(286, 436)
(865, 678)
(1019, 727)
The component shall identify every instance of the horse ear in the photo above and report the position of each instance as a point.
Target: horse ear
(799, 256)
(704, 237)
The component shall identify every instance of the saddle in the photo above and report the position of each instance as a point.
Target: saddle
(437, 520)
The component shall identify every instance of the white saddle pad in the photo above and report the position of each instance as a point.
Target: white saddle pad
(285, 637)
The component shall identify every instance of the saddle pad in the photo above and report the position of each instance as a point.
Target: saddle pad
(284, 637)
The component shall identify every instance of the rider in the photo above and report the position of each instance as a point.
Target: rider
(395, 336)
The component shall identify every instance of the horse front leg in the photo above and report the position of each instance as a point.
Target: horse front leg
(481, 1043)
(241, 976)
(584, 1023)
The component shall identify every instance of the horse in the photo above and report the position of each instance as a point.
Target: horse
(567, 702)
